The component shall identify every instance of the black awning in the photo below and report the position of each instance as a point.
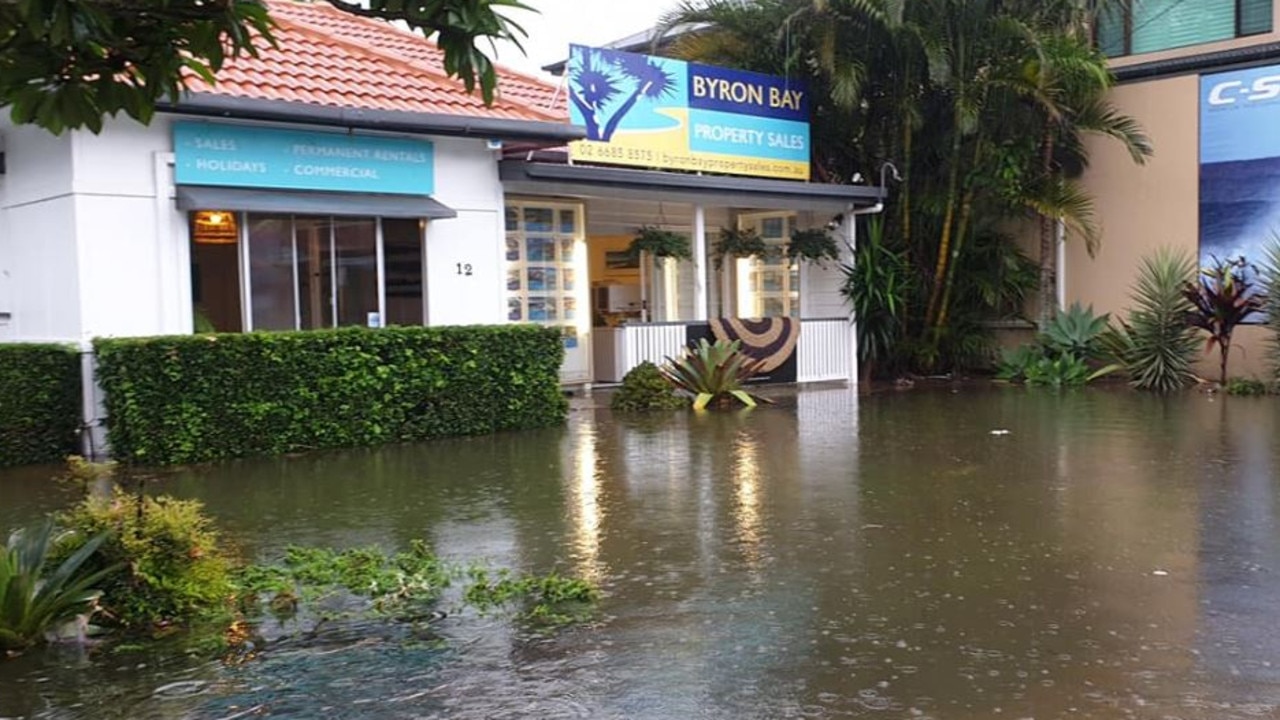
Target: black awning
(310, 202)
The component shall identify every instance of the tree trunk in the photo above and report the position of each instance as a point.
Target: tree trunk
(948, 220)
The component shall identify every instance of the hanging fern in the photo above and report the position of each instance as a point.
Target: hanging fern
(660, 244)
(814, 245)
(740, 244)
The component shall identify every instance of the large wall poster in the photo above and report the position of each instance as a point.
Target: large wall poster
(1239, 164)
(661, 113)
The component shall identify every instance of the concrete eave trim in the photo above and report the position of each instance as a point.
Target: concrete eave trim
(443, 124)
(1233, 59)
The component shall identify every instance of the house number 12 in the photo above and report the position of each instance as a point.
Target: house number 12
(464, 269)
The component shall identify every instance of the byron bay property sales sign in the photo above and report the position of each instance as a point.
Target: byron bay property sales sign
(257, 157)
(656, 112)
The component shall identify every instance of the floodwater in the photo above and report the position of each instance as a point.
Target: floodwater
(1111, 555)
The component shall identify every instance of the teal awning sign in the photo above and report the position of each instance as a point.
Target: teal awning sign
(258, 157)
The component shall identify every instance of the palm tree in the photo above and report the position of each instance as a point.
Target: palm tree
(1066, 81)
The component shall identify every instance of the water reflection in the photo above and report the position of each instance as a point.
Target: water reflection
(1112, 556)
(586, 485)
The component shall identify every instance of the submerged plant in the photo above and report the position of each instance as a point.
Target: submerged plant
(172, 566)
(713, 372)
(1155, 346)
(1245, 387)
(1222, 298)
(645, 388)
(33, 602)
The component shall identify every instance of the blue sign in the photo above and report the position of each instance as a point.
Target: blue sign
(1239, 163)
(258, 157)
(658, 112)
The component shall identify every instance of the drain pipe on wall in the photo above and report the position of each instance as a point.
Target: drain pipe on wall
(1060, 274)
(851, 241)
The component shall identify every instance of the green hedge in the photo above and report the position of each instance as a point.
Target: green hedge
(39, 403)
(194, 398)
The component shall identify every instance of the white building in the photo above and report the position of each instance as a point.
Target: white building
(343, 180)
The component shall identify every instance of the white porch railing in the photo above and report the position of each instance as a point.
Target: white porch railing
(824, 350)
(654, 343)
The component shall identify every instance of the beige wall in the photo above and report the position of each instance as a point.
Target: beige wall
(1140, 208)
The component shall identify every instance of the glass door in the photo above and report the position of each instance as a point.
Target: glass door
(547, 277)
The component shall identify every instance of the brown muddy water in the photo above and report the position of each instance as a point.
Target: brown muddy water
(888, 556)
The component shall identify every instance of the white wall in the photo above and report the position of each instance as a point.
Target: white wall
(467, 181)
(129, 267)
(821, 284)
(38, 263)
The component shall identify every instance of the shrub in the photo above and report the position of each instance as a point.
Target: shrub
(39, 403)
(1246, 386)
(1156, 346)
(33, 602)
(190, 399)
(644, 388)
(172, 565)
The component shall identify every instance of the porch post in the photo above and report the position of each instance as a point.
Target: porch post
(700, 300)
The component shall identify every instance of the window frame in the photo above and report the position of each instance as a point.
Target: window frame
(1127, 38)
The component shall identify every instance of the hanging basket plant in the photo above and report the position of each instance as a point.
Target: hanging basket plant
(740, 244)
(660, 244)
(814, 245)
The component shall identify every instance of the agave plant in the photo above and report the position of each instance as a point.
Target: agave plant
(1223, 298)
(710, 372)
(31, 602)
(1156, 346)
(1075, 332)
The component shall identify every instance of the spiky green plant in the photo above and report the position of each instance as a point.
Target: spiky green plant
(33, 602)
(1156, 346)
(1271, 281)
(712, 371)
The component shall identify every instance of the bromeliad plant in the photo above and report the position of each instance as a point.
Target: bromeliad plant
(1075, 331)
(32, 602)
(713, 373)
(1222, 298)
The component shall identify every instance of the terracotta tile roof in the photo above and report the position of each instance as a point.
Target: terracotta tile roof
(328, 57)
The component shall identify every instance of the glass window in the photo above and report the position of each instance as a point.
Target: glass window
(271, 286)
(402, 262)
(309, 272)
(1151, 25)
(355, 244)
(314, 239)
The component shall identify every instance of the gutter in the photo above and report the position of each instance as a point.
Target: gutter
(224, 106)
